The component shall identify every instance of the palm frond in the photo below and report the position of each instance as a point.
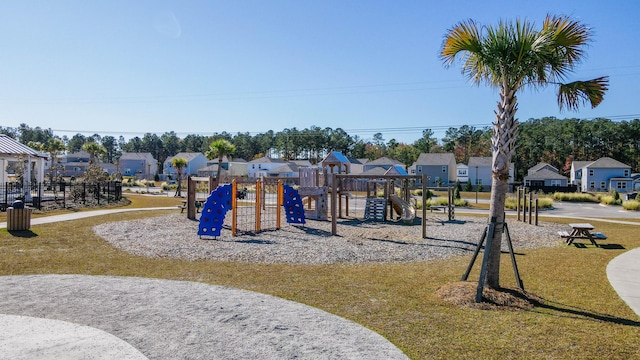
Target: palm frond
(577, 93)
(465, 37)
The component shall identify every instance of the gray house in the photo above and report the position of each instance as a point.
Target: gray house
(441, 169)
(604, 174)
(195, 161)
(141, 165)
(545, 178)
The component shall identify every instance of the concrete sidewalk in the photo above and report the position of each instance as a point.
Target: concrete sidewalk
(624, 275)
(85, 214)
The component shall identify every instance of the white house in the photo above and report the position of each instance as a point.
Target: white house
(260, 167)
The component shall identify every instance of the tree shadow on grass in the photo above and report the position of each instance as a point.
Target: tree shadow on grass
(579, 313)
(22, 233)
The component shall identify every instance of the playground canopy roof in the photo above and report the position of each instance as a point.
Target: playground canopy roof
(11, 147)
(335, 157)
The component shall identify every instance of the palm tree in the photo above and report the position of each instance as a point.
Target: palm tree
(94, 149)
(219, 149)
(510, 57)
(179, 164)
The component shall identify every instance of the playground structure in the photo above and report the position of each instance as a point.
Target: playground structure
(257, 206)
(314, 192)
(377, 208)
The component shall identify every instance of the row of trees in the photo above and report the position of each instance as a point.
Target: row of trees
(549, 140)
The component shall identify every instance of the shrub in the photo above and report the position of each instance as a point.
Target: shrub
(633, 205)
(543, 203)
(577, 197)
(610, 200)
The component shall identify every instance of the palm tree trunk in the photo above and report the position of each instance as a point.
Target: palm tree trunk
(505, 131)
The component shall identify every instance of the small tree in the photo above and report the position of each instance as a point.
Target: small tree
(219, 149)
(179, 164)
(468, 186)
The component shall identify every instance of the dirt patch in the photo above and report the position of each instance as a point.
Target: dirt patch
(463, 294)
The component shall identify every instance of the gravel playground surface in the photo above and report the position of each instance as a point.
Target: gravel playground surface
(358, 241)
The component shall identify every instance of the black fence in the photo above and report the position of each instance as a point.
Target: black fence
(553, 189)
(62, 194)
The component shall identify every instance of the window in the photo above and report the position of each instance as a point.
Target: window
(603, 185)
(419, 170)
(463, 172)
(626, 172)
(556, 183)
(622, 185)
(478, 181)
(590, 172)
(592, 185)
(444, 169)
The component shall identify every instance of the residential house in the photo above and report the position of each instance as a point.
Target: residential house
(440, 168)
(75, 164)
(545, 178)
(462, 175)
(260, 167)
(231, 168)
(357, 165)
(605, 174)
(195, 161)
(480, 171)
(140, 165)
(575, 177)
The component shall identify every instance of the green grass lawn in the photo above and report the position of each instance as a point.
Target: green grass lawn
(582, 317)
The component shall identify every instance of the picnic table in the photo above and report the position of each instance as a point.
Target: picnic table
(581, 231)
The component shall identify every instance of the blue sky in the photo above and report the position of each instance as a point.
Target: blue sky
(200, 67)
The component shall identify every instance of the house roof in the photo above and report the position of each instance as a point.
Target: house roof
(185, 155)
(607, 163)
(136, 156)
(540, 166)
(9, 146)
(434, 159)
(287, 168)
(266, 159)
(306, 163)
(545, 174)
(378, 170)
(384, 161)
(580, 164)
(480, 161)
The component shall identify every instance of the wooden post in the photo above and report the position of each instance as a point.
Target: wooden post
(424, 206)
(518, 199)
(258, 203)
(334, 190)
(530, 207)
(234, 207)
(191, 198)
(280, 201)
(536, 212)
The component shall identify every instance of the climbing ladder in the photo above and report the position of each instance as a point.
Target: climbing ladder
(375, 209)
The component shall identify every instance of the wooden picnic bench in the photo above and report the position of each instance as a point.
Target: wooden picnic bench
(581, 231)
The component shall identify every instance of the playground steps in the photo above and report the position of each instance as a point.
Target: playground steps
(375, 209)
